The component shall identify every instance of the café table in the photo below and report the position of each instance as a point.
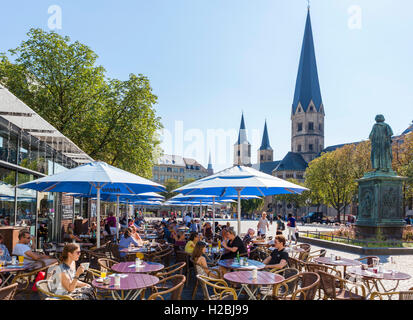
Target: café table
(12, 270)
(373, 280)
(342, 262)
(131, 285)
(233, 264)
(245, 279)
(130, 267)
(134, 250)
(149, 236)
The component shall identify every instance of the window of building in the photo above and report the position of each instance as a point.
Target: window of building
(175, 170)
(155, 176)
(310, 146)
(261, 157)
(181, 170)
(299, 148)
(311, 126)
(300, 126)
(311, 109)
(169, 169)
(320, 127)
(197, 168)
(239, 153)
(269, 157)
(289, 175)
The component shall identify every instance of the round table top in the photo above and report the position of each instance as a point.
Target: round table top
(245, 277)
(129, 267)
(261, 242)
(342, 262)
(128, 282)
(16, 268)
(385, 275)
(80, 244)
(149, 236)
(233, 264)
(138, 249)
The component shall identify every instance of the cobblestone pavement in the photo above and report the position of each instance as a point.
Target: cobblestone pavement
(404, 262)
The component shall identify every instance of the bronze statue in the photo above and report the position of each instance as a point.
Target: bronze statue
(381, 150)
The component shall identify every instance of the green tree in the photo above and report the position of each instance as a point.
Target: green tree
(109, 119)
(170, 185)
(250, 205)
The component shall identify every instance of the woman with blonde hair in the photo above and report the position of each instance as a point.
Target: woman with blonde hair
(64, 279)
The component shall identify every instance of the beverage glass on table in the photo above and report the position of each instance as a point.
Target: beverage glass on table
(21, 259)
(2, 262)
(393, 265)
(103, 273)
(85, 266)
(13, 260)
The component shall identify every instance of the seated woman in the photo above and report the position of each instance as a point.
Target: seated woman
(233, 245)
(126, 240)
(279, 257)
(190, 245)
(207, 231)
(180, 239)
(64, 279)
(136, 235)
(69, 235)
(200, 262)
(4, 252)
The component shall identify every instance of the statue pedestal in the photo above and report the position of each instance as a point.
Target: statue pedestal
(380, 206)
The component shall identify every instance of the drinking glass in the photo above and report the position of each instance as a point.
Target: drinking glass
(21, 259)
(103, 273)
(1, 263)
(393, 265)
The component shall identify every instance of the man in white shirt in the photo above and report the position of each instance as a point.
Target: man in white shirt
(22, 248)
(263, 225)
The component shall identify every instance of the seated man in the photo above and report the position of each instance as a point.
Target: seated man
(233, 245)
(248, 237)
(279, 257)
(22, 248)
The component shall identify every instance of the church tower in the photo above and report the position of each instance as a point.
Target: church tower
(307, 117)
(210, 169)
(265, 152)
(242, 149)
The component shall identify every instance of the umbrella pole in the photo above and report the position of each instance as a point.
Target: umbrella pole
(213, 218)
(98, 217)
(117, 217)
(239, 211)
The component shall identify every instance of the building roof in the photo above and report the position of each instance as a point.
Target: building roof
(171, 160)
(307, 86)
(19, 114)
(242, 136)
(292, 162)
(266, 167)
(408, 130)
(265, 144)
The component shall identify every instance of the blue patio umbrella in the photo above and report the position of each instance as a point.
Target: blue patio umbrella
(94, 178)
(239, 181)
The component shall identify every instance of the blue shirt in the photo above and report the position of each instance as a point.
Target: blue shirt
(292, 222)
(124, 243)
(6, 255)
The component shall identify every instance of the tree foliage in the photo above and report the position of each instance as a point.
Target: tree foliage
(332, 177)
(110, 119)
(250, 205)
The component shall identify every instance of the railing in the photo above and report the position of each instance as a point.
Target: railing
(361, 242)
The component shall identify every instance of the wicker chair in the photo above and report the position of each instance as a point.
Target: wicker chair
(400, 295)
(221, 290)
(163, 256)
(316, 254)
(171, 270)
(25, 279)
(296, 264)
(45, 294)
(185, 257)
(114, 252)
(287, 289)
(214, 271)
(7, 293)
(305, 246)
(369, 260)
(337, 288)
(175, 292)
(107, 264)
(302, 286)
(315, 267)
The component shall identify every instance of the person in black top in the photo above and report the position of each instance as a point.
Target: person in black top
(233, 245)
(279, 257)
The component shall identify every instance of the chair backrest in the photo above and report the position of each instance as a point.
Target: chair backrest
(7, 293)
(219, 287)
(369, 260)
(288, 274)
(305, 246)
(44, 289)
(178, 282)
(296, 263)
(172, 270)
(106, 263)
(309, 286)
(328, 284)
(114, 250)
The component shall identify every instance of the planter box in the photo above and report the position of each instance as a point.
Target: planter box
(355, 249)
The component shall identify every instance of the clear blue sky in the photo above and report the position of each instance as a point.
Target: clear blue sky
(208, 60)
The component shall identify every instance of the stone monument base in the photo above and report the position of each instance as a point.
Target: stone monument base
(380, 206)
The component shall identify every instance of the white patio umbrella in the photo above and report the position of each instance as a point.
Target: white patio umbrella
(239, 181)
(94, 178)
